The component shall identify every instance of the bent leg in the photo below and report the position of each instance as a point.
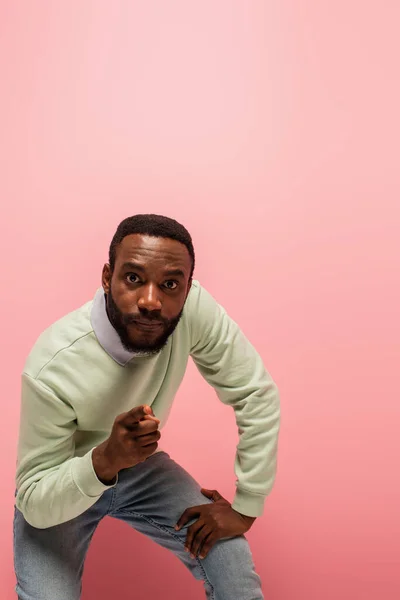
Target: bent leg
(230, 571)
(151, 497)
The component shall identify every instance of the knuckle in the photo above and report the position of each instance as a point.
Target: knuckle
(150, 449)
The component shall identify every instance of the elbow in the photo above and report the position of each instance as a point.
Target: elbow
(35, 520)
(37, 523)
(38, 519)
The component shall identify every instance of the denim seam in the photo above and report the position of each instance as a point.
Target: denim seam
(177, 538)
(112, 501)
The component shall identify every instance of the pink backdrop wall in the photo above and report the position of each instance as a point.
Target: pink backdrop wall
(271, 130)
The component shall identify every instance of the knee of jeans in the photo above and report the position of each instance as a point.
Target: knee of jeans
(229, 569)
(232, 550)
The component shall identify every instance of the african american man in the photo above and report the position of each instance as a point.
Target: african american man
(97, 388)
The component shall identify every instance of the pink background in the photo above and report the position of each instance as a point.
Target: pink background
(271, 130)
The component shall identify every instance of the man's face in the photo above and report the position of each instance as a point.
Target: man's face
(147, 290)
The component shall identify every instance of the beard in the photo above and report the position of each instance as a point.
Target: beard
(120, 321)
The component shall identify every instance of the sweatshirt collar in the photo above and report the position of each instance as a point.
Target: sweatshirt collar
(105, 333)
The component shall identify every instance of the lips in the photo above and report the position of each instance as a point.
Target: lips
(147, 325)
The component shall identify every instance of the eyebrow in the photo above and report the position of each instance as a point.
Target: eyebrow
(167, 272)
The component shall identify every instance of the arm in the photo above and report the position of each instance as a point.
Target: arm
(229, 363)
(53, 485)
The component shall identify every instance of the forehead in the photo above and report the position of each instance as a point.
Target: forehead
(153, 251)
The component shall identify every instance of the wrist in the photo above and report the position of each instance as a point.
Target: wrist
(105, 471)
(248, 520)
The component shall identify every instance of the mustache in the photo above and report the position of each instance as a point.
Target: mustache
(130, 319)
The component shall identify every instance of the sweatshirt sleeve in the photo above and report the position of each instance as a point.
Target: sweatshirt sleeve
(53, 486)
(232, 366)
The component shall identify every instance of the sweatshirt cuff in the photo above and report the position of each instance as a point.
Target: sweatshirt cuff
(86, 479)
(246, 503)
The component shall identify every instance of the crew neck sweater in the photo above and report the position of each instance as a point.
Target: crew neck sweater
(79, 377)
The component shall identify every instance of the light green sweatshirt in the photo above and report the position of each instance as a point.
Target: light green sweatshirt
(78, 378)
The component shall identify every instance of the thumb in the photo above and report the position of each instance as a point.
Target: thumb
(211, 494)
(150, 418)
(149, 414)
(140, 412)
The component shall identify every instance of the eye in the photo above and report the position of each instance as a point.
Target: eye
(129, 275)
(175, 283)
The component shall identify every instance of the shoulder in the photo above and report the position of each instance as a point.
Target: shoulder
(199, 301)
(60, 337)
(204, 315)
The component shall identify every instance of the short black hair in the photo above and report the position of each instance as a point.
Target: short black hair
(153, 225)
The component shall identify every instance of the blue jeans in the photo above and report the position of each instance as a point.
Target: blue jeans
(150, 497)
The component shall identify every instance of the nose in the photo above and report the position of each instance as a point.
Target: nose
(149, 298)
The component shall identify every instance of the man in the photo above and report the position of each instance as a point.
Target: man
(97, 388)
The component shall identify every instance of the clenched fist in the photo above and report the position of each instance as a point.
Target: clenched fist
(134, 437)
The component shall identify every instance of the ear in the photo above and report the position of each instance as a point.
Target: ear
(106, 278)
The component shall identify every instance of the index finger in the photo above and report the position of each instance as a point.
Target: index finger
(187, 515)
